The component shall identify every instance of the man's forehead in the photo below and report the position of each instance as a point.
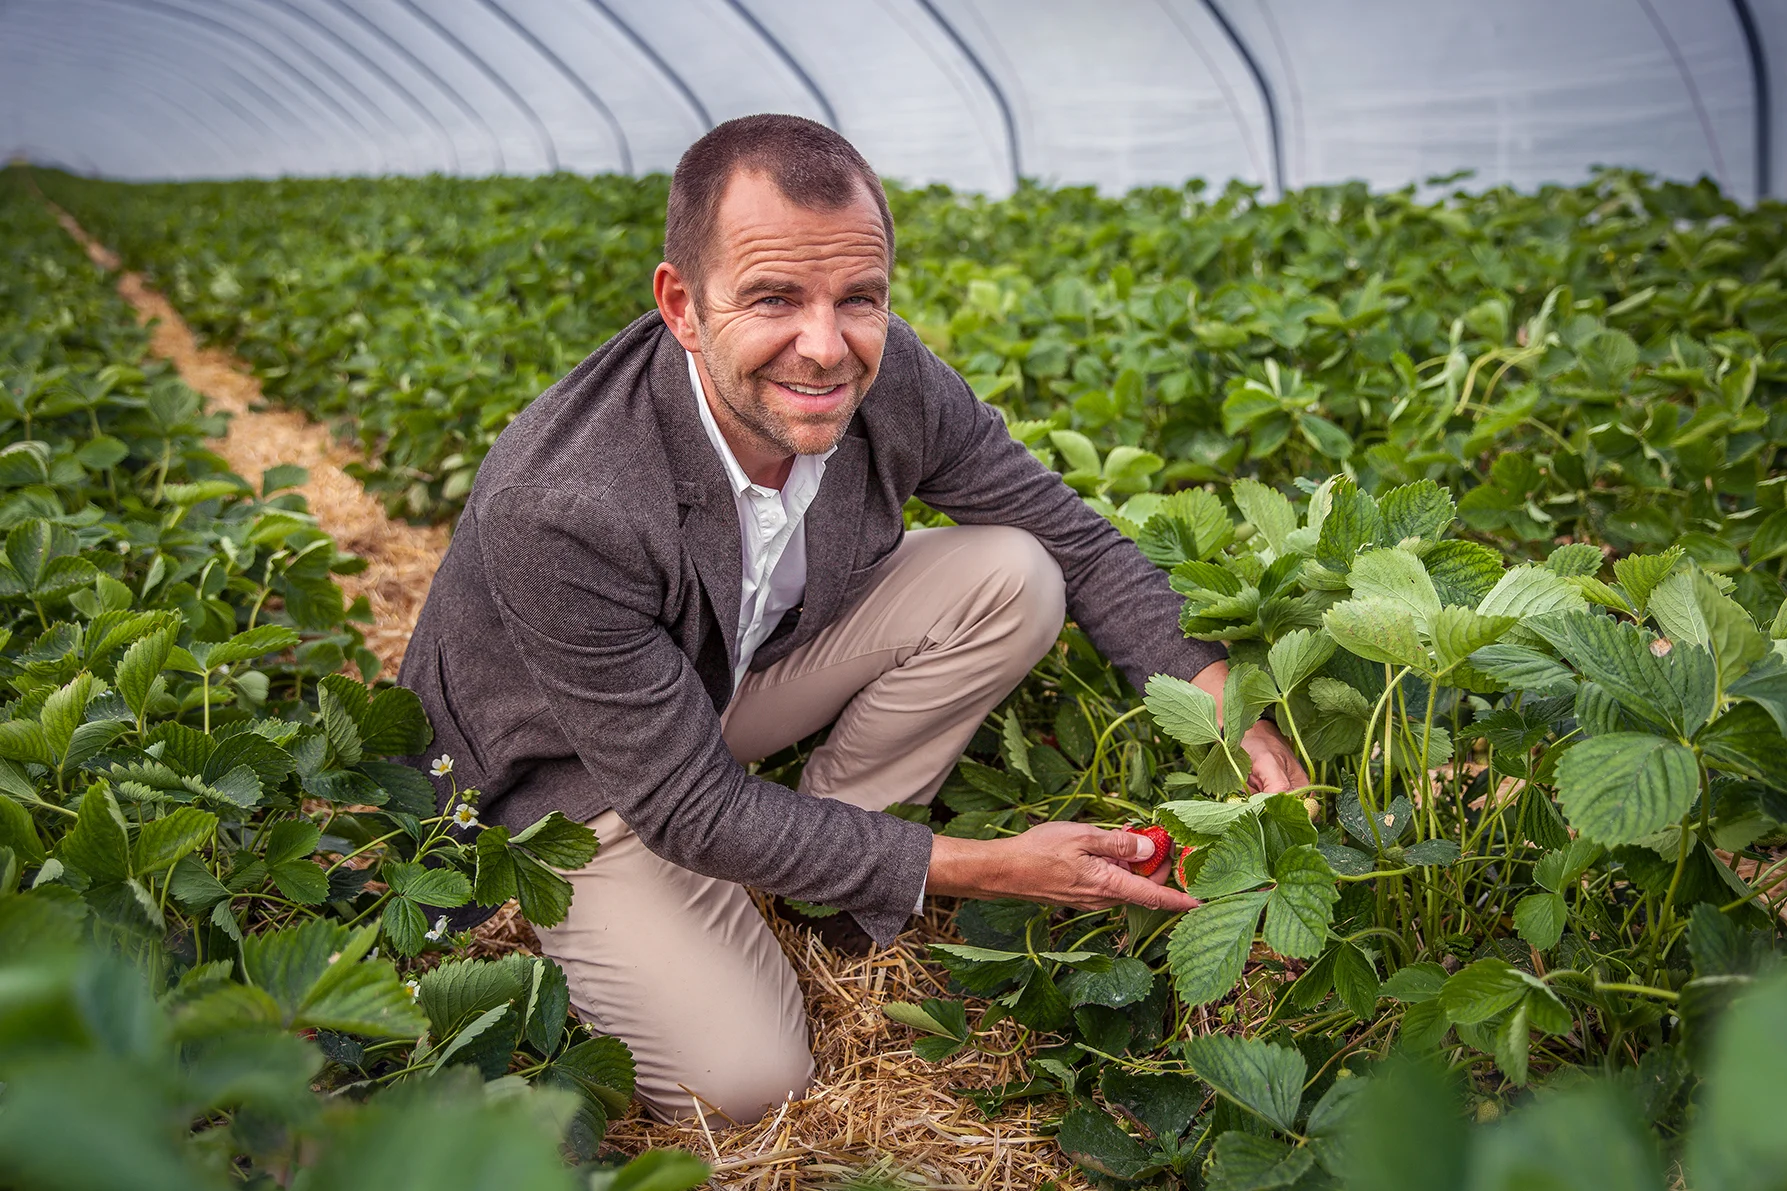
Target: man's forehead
(755, 213)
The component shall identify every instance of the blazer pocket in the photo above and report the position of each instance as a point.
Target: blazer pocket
(444, 677)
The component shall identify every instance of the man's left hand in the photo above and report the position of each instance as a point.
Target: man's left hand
(1275, 764)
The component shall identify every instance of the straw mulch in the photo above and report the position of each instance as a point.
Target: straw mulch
(401, 558)
(876, 1112)
(874, 1106)
(876, 1115)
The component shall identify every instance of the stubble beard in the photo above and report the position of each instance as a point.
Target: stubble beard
(739, 394)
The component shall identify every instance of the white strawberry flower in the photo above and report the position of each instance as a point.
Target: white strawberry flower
(440, 928)
(443, 765)
(465, 816)
(414, 988)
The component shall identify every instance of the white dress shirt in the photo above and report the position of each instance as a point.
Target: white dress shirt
(772, 537)
(772, 543)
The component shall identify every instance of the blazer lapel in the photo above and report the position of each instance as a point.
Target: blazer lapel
(833, 528)
(709, 514)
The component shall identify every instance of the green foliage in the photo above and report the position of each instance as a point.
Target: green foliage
(190, 784)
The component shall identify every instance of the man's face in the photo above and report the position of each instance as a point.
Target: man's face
(792, 316)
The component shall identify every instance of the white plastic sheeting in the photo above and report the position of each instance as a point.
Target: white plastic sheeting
(975, 93)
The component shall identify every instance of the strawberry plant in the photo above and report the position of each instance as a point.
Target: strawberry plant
(190, 782)
(1540, 793)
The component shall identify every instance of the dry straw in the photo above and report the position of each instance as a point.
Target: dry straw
(876, 1116)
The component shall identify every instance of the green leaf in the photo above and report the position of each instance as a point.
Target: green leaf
(1458, 633)
(1539, 918)
(1766, 685)
(1664, 686)
(494, 882)
(1432, 851)
(1267, 509)
(139, 667)
(1352, 524)
(1395, 577)
(544, 896)
(1233, 863)
(654, 1170)
(1378, 631)
(1210, 944)
(1245, 1162)
(302, 881)
(19, 833)
(1575, 559)
(1246, 693)
(318, 977)
(339, 725)
(946, 1019)
(1415, 983)
(1095, 1141)
(256, 642)
(1513, 1045)
(98, 845)
(442, 887)
(1199, 816)
(1737, 1143)
(1077, 449)
(161, 842)
(1463, 572)
(1261, 1077)
(1355, 981)
(1297, 655)
(1522, 669)
(1585, 1136)
(1528, 591)
(1302, 903)
(1482, 990)
(1183, 711)
(1746, 740)
(1639, 574)
(1126, 982)
(547, 1019)
(395, 725)
(1618, 788)
(557, 841)
(602, 1069)
(1419, 510)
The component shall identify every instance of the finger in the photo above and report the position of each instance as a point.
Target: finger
(1140, 891)
(1125, 847)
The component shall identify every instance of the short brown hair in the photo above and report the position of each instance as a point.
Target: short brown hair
(813, 166)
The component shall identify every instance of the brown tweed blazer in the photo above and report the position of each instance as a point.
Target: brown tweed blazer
(574, 651)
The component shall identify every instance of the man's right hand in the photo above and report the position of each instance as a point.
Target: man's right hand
(1059, 864)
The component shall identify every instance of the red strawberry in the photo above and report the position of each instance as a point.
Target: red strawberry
(1179, 866)
(1162, 842)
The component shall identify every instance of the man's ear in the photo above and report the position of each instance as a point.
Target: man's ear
(677, 304)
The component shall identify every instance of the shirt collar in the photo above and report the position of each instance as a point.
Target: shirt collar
(735, 474)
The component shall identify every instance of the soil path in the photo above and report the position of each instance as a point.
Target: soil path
(400, 558)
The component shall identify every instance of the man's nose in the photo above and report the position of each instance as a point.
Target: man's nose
(821, 340)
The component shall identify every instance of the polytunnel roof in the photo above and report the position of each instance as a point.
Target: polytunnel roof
(975, 93)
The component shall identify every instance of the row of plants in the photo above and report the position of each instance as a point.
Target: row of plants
(224, 955)
(1505, 567)
(1600, 360)
(1543, 837)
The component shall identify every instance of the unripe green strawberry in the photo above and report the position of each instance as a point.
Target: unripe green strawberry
(1162, 843)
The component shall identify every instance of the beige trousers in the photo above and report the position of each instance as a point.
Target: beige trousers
(682, 967)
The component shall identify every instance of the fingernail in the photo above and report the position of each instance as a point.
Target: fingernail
(1144, 847)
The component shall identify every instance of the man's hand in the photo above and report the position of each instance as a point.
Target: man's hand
(1275, 764)
(1060, 864)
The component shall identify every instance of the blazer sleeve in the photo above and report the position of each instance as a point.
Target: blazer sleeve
(580, 596)
(976, 473)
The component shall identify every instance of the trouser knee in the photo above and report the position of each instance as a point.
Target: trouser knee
(1034, 595)
(743, 1091)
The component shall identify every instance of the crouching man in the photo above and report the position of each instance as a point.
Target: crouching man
(689, 554)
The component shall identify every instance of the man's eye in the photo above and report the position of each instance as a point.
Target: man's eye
(773, 299)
